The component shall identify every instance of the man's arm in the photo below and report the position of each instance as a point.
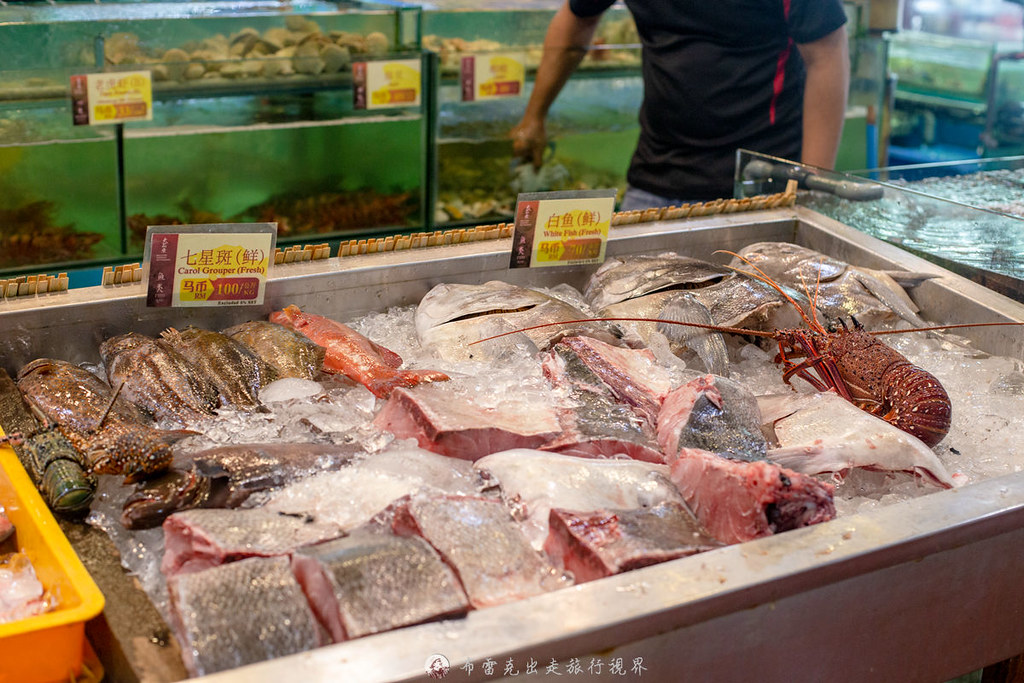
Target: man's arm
(565, 45)
(828, 82)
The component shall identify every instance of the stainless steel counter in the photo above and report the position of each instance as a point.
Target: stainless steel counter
(921, 590)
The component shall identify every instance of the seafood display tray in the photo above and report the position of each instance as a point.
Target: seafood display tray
(926, 589)
(47, 647)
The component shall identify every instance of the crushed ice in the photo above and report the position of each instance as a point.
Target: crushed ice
(983, 441)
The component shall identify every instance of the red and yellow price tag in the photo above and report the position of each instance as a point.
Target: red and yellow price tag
(493, 76)
(111, 97)
(395, 83)
(203, 266)
(561, 228)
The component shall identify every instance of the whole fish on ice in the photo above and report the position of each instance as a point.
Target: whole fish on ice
(347, 352)
(840, 290)
(158, 379)
(114, 435)
(451, 316)
(290, 353)
(237, 372)
(226, 476)
(824, 433)
(674, 287)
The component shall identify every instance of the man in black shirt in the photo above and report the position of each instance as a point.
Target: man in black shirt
(766, 75)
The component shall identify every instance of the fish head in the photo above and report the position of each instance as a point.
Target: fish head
(154, 500)
(630, 277)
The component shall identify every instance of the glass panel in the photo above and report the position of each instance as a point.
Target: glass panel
(949, 218)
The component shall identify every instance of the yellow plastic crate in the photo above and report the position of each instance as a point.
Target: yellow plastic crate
(48, 647)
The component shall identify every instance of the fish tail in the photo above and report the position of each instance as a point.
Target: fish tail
(382, 387)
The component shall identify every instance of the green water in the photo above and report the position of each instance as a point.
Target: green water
(478, 171)
(78, 182)
(227, 173)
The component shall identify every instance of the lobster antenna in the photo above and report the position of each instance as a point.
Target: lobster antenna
(763, 277)
(954, 326)
(817, 291)
(715, 328)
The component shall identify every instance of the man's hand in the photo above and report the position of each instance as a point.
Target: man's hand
(529, 140)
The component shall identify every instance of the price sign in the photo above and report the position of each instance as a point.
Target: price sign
(111, 97)
(561, 228)
(208, 265)
(492, 76)
(382, 84)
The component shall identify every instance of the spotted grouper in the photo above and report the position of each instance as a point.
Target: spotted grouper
(158, 379)
(237, 372)
(353, 355)
(290, 353)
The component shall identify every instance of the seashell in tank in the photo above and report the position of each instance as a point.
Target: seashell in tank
(195, 70)
(335, 58)
(176, 61)
(307, 59)
(377, 43)
(301, 24)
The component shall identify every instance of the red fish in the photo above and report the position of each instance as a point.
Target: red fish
(352, 354)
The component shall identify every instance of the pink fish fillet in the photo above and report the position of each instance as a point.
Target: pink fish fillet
(352, 354)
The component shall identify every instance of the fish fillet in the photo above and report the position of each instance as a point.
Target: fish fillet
(823, 432)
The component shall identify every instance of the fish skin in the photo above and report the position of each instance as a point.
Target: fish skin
(155, 377)
(536, 481)
(478, 538)
(824, 433)
(353, 355)
(714, 414)
(452, 316)
(368, 583)
(595, 424)
(633, 376)
(290, 353)
(241, 613)
(237, 372)
(592, 545)
(198, 539)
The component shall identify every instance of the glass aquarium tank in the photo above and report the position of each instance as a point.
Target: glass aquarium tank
(255, 118)
(592, 126)
(969, 220)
